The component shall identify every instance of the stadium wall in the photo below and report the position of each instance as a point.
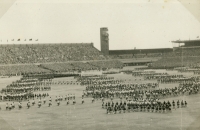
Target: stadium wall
(138, 51)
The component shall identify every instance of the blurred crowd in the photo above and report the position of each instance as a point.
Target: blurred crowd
(181, 57)
(81, 66)
(43, 53)
(139, 55)
(14, 70)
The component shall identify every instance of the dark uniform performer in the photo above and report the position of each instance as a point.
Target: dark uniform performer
(178, 104)
(129, 108)
(28, 105)
(50, 102)
(10, 107)
(185, 104)
(74, 97)
(65, 97)
(156, 108)
(82, 100)
(44, 100)
(20, 105)
(13, 105)
(74, 102)
(102, 104)
(163, 107)
(7, 106)
(148, 108)
(108, 110)
(124, 108)
(152, 108)
(182, 103)
(58, 102)
(173, 103)
(160, 108)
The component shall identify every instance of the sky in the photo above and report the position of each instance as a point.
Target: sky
(133, 23)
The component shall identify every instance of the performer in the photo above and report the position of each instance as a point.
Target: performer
(82, 100)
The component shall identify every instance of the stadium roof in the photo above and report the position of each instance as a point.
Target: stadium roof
(186, 41)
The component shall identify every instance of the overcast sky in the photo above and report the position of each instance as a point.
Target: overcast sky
(134, 23)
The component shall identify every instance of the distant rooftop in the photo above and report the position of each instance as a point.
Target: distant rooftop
(186, 41)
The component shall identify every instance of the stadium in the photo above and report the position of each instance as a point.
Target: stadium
(41, 74)
(76, 86)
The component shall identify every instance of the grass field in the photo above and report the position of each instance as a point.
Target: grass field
(90, 116)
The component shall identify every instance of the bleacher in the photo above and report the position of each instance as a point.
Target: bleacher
(185, 51)
(81, 66)
(181, 57)
(139, 55)
(13, 70)
(47, 58)
(106, 64)
(44, 53)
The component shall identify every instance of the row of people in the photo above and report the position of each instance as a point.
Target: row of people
(118, 89)
(22, 96)
(135, 106)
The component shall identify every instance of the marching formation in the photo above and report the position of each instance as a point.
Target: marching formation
(140, 97)
(43, 100)
(25, 88)
(117, 96)
(141, 106)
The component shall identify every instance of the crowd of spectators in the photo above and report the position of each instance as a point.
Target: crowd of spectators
(22, 59)
(183, 51)
(181, 57)
(43, 53)
(123, 56)
(139, 55)
(58, 67)
(13, 70)
(172, 62)
(82, 66)
(106, 64)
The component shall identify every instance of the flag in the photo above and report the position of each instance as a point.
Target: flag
(18, 40)
(30, 39)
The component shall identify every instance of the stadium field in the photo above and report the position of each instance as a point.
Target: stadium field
(90, 116)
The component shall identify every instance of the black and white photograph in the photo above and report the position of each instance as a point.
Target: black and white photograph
(99, 64)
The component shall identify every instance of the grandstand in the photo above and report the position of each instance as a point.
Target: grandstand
(134, 57)
(47, 58)
(14, 70)
(45, 53)
(187, 55)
